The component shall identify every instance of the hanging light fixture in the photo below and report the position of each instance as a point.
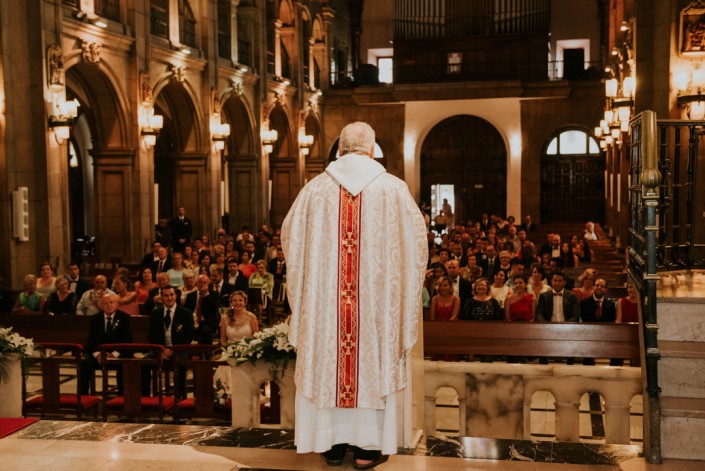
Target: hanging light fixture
(150, 125)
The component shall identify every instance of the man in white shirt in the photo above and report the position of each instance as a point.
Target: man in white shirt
(89, 303)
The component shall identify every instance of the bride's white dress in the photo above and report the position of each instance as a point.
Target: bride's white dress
(234, 334)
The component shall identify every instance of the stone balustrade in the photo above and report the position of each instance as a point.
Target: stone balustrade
(495, 398)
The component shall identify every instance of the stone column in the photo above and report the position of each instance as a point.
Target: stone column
(277, 48)
(567, 420)
(234, 52)
(616, 416)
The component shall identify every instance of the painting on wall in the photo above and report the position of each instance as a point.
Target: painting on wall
(692, 29)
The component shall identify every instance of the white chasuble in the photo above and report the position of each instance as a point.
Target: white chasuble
(356, 251)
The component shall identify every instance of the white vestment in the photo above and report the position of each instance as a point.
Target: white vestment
(356, 250)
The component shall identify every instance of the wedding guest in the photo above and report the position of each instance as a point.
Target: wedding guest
(89, 303)
(77, 284)
(46, 283)
(144, 285)
(127, 299)
(29, 301)
(63, 301)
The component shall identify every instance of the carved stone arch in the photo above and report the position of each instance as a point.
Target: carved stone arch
(318, 32)
(236, 111)
(192, 136)
(286, 13)
(104, 103)
(280, 119)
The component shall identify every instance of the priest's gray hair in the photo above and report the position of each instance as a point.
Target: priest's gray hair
(356, 138)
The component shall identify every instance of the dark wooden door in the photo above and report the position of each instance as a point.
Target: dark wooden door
(469, 153)
(572, 188)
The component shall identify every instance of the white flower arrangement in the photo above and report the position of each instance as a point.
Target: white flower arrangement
(220, 393)
(12, 343)
(270, 344)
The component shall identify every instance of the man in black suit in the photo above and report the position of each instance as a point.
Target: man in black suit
(77, 285)
(490, 265)
(277, 266)
(461, 287)
(565, 311)
(235, 277)
(181, 230)
(150, 258)
(218, 286)
(169, 325)
(162, 264)
(528, 225)
(107, 326)
(206, 309)
(597, 308)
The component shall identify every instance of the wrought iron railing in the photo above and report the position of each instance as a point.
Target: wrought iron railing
(644, 198)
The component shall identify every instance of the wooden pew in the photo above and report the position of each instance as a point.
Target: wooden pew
(71, 329)
(583, 340)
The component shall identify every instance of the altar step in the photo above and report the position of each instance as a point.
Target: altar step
(681, 319)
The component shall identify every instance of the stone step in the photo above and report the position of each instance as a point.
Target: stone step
(681, 319)
(683, 407)
(683, 438)
(682, 375)
(640, 464)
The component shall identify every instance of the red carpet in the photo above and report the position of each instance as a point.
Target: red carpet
(8, 426)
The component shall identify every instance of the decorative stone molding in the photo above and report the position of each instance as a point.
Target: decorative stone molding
(91, 51)
(215, 101)
(55, 67)
(178, 73)
(237, 87)
(146, 96)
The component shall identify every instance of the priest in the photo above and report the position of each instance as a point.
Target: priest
(356, 250)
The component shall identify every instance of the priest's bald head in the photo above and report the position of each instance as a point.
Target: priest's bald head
(357, 138)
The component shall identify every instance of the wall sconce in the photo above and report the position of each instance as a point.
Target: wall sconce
(268, 137)
(219, 132)
(150, 125)
(691, 86)
(62, 116)
(305, 141)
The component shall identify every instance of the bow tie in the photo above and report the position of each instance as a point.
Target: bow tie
(558, 294)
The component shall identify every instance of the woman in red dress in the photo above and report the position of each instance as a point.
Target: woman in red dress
(628, 307)
(520, 306)
(445, 305)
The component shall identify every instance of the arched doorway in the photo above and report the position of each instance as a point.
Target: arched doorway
(468, 153)
(572, 178)
(179, 162)
(241, 167)
(282, 164)
(99, 158)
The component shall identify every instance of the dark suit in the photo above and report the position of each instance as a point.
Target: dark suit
(529, 227)
(210, 312)
(272, 268)
(168, 265)
(97, 336)
(544, 309)
(148, 261)
(464, 290)
(150, 304)
(81, 286)
(182, 333)
(241, 283)
(227, 289)
(588, 309)
(489, 268)
(180, 229)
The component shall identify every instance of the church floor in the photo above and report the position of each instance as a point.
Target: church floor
(72, 445)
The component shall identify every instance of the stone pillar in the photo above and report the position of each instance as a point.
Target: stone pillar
(616, 416)
(234, 52)
(567, 420)
(277, 48)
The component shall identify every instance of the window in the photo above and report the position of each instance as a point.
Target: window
(573, 142)
(386, 67)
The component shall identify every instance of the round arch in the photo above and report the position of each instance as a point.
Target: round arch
(572, 176)
(464, 158)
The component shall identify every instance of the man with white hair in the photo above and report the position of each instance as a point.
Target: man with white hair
(356, 250)
(89, 303)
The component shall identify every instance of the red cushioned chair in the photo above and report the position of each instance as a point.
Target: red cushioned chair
(200, 401)
(133, 358)
(53, 358)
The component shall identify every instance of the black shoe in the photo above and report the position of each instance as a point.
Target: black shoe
(335, 456)
(375, 462)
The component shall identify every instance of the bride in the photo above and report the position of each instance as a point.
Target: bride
(238, 323)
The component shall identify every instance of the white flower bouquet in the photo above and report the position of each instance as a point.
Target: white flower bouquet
(12, 343)
(270, 345)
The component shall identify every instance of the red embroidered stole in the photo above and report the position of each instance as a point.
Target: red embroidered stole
(348, 297)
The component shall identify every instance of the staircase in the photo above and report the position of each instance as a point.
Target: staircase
(681, 371)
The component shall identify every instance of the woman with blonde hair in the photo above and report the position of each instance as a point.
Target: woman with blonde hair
(586, 284)
(29, 301)
(237, 323)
